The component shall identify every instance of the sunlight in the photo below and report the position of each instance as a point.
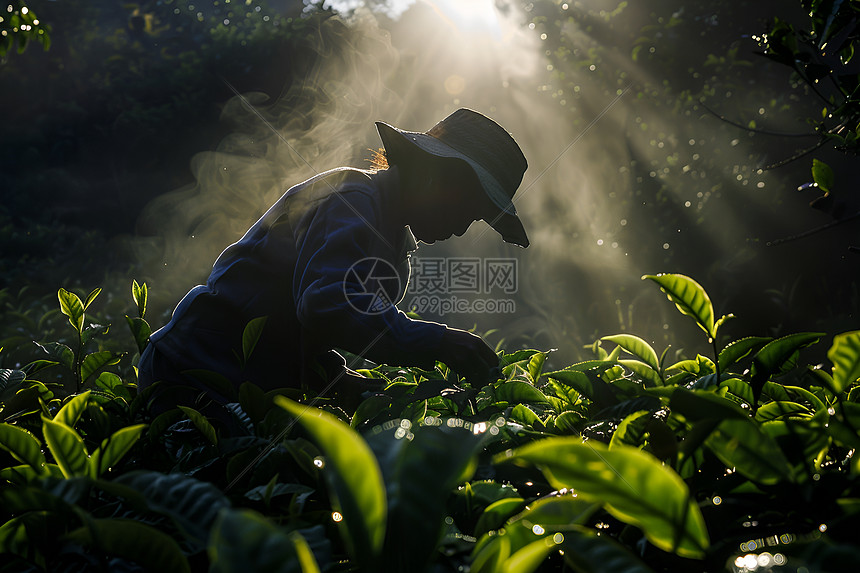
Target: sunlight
(468, 15)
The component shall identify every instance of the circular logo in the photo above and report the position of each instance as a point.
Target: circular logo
(371, 286)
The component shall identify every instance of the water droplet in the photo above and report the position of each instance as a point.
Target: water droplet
(336, 516)
(538, 530)
(319, 462)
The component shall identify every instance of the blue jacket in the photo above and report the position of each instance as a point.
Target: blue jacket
(304, 266)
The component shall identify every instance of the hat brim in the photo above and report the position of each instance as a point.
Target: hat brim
(507, 223)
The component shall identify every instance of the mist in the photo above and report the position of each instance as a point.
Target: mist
(621, 182)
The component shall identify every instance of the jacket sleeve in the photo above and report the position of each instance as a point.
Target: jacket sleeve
(335, 254)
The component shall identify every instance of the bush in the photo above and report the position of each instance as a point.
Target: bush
(624, 462)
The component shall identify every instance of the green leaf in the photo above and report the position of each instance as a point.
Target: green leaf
(697, 405)
(634, 486)
(517, 392)
(823, 176)
(650, 376)
(38, 365)
(354, 473)
(113, 384)
(552, 514)
(67, 447)
(251, 335)
(586, 551)
(526, 416)
(91, 297)
(114, 448)
(631, 430)
(776, 355)
(71, 411)
(777, 410)
(61, 352)
(637, 347)
(740, 444)
(133, 540)
(532, 555)
(535, 366)
(71, 306)
(97, 360)
(24, 446)
(244, 540)
(497, 513)
(845, 356)
(414, 490)
(690, 298)
(307, 562)
(569, 422)
(140, 293)
(140, 330)
(10, 379)
(191, 503)
(575, 379)
(202, 424)
(740, 349)
(24, 474)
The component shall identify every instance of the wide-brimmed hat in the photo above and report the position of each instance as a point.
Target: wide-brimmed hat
(486, 146)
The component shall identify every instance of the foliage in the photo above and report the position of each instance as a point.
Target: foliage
(821, 56)
(18, 26)
(624, 459)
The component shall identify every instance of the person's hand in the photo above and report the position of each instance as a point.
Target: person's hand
(468, 355)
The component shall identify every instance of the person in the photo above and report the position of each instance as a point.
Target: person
(323, 269)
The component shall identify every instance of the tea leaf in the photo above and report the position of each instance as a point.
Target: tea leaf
(644, 371)
(191, 503)
(71, 411)
(690, 298)
(637, 347)
(12, 378)
(589, 552)
(244, 540)
(575, 379)
(739, 349)
(114, 448)
(71, 305)
(305, 556)
(67, 448)
(133, 540)
(251, 335)
(139, 292)
(823, 176)
(517, 392)
(140, 330)
(92, 363)
(91, 297)
(202, 424)
(23, 446)
(845, 356)
(742, 445)
(531, 556)
(634, 486)
(356, 478)
(495, 514)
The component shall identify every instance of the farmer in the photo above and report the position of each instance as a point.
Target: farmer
(325, 265)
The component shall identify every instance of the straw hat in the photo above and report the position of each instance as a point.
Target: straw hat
(482, 143)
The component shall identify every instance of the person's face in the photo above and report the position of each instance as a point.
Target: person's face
(450, 204)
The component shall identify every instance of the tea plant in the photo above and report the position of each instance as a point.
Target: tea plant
(622, 462)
